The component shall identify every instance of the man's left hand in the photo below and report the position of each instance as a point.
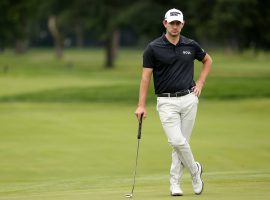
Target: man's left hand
(198, 88)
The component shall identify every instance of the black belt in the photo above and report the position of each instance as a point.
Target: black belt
(177, 94)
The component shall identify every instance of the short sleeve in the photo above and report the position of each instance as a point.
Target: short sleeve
(199, 52)
(148, 57)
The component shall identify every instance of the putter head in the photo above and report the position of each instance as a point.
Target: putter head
(128, 195)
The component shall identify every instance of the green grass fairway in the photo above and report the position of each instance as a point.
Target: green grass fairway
(68, 130)
(87, 151)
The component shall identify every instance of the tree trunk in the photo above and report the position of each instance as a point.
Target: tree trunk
(54, 30)
(112, 44)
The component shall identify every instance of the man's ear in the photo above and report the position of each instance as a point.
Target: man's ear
(165, 23)
(183, 23)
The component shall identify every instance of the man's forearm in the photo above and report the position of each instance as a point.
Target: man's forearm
(207, 63)
(144, 85)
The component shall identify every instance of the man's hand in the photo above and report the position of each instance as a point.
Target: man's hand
(139, 111)
(198, 88)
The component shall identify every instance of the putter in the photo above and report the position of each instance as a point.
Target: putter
(130, 195)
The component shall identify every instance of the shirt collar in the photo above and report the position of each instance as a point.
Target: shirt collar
(166, 41)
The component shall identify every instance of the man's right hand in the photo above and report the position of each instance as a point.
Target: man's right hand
(139, 111)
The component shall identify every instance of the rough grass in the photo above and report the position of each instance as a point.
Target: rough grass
(81, 77)
(222, 88)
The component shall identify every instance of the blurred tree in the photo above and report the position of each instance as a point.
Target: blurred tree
(104, 18)
(15, 22)
(232, 22)
(54, 30)
(199, 17)
(52, 9)
(260, 32)
(5, 23)
(79, 18)
(98, 16)
(107, 16)
(235, 24)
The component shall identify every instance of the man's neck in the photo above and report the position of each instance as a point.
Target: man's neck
(172, 39)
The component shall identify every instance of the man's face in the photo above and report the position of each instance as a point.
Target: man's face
(173, 28)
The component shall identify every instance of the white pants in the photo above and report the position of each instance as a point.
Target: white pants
(177, 116)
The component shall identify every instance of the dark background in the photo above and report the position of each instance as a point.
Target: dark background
(233, 25)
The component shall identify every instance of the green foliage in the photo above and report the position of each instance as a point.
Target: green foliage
(237, 24)
(16, 17)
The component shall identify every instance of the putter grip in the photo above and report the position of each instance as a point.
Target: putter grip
(140, 127)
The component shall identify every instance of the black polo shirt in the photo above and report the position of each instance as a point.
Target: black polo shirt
(173, 65)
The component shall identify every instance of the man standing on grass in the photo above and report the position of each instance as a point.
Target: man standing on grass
(170, 58)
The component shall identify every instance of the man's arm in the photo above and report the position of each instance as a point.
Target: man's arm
(207, 63)
(144, 85)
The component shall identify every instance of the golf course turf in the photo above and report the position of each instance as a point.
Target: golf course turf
(63, 137)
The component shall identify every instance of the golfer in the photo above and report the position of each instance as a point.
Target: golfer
(170, 58)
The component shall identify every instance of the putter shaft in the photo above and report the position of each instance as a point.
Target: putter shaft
(137, 155)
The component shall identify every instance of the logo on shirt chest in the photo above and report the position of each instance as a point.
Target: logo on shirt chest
(186, 52)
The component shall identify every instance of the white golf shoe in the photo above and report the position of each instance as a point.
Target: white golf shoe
(197, 182)
(176, 190)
